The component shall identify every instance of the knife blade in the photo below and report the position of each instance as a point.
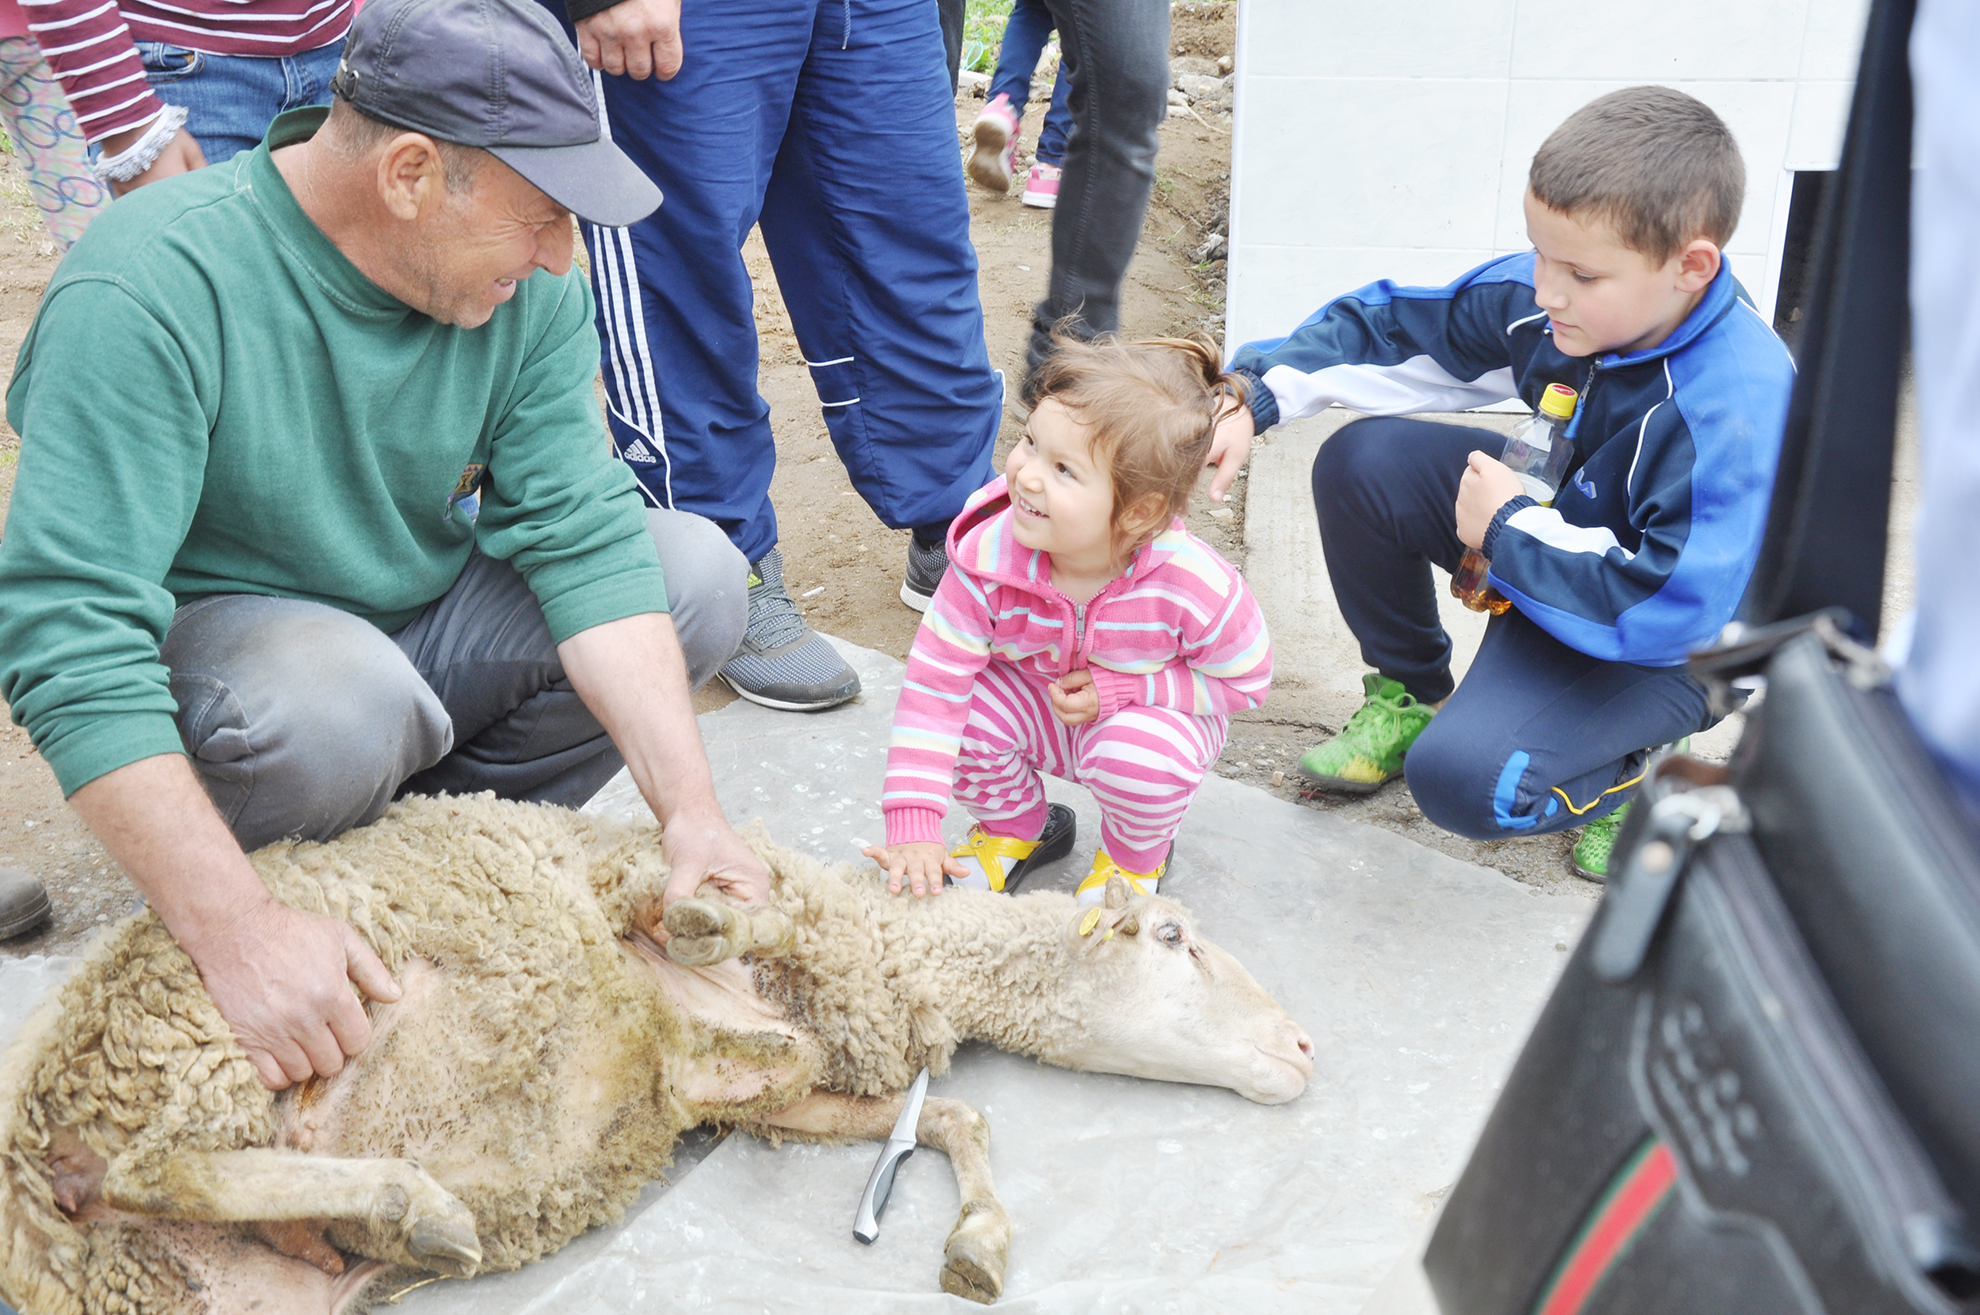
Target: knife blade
(900, 1145)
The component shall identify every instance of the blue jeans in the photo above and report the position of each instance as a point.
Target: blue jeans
(1024, 37)
(231, 99)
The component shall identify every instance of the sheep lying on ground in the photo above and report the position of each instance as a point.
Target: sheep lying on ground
(544, 1059)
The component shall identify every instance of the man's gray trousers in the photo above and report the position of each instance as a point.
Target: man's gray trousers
(304, 720)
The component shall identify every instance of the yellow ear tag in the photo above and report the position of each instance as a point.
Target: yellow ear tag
(1089, 922)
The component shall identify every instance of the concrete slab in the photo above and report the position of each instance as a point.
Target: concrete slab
(1417, 975)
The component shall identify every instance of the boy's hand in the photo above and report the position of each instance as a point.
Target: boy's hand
(1486, 487)
(1074, 700)
(919, 862)
(1229, 450)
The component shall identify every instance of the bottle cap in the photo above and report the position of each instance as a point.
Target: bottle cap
(1558, 401)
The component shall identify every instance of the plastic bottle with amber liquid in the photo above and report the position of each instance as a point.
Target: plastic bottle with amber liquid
(1538, 452)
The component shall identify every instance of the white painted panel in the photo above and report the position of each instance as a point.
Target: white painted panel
(1473, 38)
(1834, 39)
(1272, 289)
(1351, 162)
(1821, 112)
(1758, 113)
(1668, 41)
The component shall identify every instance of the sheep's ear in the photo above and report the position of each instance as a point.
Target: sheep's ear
(1117, 891)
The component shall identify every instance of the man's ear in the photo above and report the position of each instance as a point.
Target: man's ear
(411, 175)
(1698, 265)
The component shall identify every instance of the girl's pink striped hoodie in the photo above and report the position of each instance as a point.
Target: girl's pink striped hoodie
(1178, 629)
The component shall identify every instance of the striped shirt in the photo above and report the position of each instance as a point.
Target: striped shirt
(1178, 629)
(91, 45)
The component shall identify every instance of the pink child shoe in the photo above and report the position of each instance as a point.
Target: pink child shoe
(993, 164)
(1041, 189)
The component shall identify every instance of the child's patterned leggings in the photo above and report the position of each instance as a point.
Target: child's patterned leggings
(51, 149)
(1142, 764)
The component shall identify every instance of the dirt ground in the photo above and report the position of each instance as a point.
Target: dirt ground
(839, 560)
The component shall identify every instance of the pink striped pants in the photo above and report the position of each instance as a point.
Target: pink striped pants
(1143, 765)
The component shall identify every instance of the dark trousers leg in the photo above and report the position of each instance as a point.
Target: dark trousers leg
(1386, 493)
(1120, 93)
(306, 721)
(952, 13)
(1541, 737)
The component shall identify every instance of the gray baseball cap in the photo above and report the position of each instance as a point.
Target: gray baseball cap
(501, 75)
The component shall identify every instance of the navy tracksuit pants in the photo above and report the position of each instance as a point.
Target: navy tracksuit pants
(1540, 736)
(831, 123)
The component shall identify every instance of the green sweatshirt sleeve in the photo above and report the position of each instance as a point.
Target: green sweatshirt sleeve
(113, 445)
(557, 504)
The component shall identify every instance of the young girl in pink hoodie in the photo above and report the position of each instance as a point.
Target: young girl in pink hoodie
(1080, 630)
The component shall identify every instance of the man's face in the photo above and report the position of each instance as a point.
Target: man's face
(469, 255)
(1599, 295)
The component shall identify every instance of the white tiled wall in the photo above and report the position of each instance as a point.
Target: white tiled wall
(1392, 140)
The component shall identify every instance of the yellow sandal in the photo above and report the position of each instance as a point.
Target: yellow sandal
(999, 863)
(1093, 890)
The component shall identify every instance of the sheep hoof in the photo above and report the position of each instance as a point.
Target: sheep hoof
(973, 1265)
(448, 1245)
(702, 932)
(965, 1276)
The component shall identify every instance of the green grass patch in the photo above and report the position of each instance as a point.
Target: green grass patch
(983, 33)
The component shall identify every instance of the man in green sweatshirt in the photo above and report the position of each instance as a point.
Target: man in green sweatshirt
(315, 507)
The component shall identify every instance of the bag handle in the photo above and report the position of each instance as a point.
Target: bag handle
(1829, 522)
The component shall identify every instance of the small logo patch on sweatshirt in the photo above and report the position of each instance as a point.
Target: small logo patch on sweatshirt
(466, 497)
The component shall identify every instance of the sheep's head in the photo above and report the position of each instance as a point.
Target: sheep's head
(1159, 1001)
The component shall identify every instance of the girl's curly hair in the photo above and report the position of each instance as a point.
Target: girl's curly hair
(1150, 408)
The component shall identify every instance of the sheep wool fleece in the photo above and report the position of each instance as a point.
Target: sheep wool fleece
(1175, 645)
(214, 400)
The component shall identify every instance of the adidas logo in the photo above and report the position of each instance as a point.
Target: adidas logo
(640, 452)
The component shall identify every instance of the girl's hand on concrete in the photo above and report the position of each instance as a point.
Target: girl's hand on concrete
(1074, 700)
(917, 865)
(1487, 486)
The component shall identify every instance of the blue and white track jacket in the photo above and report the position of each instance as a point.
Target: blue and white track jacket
(1648, 546)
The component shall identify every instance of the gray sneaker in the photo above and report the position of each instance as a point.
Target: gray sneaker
(23, 903)
(924, 571)
(784, 663)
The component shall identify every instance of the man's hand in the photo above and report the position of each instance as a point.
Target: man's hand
(632, 676)
(1486, 487)
(639, 38)
(181, 155)
(1074, 700)
(920, 862)
(701, 847)
(1229, 450)
(282, 978)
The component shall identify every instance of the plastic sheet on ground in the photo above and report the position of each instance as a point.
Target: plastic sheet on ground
(1416, 975)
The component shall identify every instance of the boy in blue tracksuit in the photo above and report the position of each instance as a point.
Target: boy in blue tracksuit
(1647, 548)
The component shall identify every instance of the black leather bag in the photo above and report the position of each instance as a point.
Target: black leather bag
(1756, 1087)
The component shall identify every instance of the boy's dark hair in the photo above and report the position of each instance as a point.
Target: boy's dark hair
(1150, 409)
(1656, 164)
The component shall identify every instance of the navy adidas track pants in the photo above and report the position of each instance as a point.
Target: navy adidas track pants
(1540, 736)
(832, 124)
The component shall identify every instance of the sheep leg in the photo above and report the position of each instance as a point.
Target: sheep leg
(414, 1220)
(979, 1245)
(704, 931)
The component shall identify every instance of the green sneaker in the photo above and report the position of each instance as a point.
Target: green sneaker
(1590, 857)
(1369, 749)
